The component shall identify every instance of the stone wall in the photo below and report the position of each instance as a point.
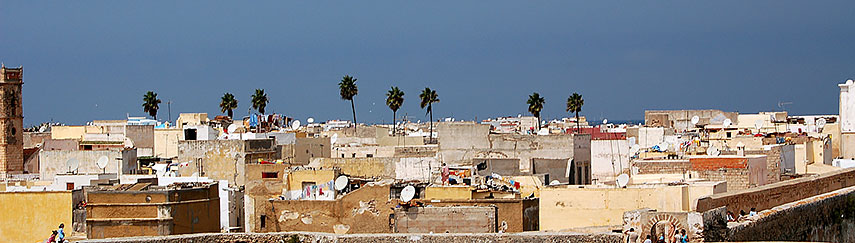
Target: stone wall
(662, 166)
(373, 238)
(829, 217)
(518, 214)
(768, 196)
(454, 219)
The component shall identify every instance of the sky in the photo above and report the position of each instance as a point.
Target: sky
(88, 60)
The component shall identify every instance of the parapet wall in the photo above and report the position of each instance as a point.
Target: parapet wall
(829, 217)
(375, 238)
(771, 195)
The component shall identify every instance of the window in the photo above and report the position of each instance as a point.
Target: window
(263, 221)
(728, 135)
(354, 155)
(87, 147)
(269, 175)
(369, 155)
(69, 186)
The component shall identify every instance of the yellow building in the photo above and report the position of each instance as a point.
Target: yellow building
(448, 193)
(31, 216)
(565, 207)
(166, 142)
(67, 132)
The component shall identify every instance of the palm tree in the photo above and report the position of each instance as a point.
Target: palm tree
(259, 100)
(150, 104)
(348, 90)
(228, 103)
(429, 97)
(574, 104)
(535, 105)
(394, 99)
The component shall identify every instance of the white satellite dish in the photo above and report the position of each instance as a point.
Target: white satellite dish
(340, 183)
(295, 124)
(622, 180)
(160, 169)
(713, 151)
(408, 193)
(42, 128)
(334, 138)
(232, 128)
(72, 164)
(554, 182)
(605, 121)
(634, 148)
(727, 123)
(102, 162)
(310, 120)
(543, 131)
(695, 120)
(758, 124)
(821, 123)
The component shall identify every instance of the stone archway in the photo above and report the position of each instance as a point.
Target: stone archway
(663, 225)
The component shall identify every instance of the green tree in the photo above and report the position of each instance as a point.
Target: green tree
(574, 104)
(151, 104)
(535, 105)
(394, 99)
(259, 100)
(429, 97)
(348, 90)
(228, 103)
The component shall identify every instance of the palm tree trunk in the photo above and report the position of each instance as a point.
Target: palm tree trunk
(394, 125)
(577, 121)
(430, 135)
(353, 109)
(230, 114)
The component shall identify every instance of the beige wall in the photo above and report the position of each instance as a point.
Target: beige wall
(448, 192)
(295, 179)
(570, 207)
(67, 132)
(31, 216)
(166, 142)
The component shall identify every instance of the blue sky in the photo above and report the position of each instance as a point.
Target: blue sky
(95, 59)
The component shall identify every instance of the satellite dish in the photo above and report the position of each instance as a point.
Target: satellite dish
(102, 162)
(605, 121)
(42, 128)
(340, 183)
(695, 120)
(622, 180)
(160, 169)
(821, 123)
(758, 124)
(128, 143)
(554, 182)
(634, 148)
(232, 128)
(72, 164)
(310, 120)
(727, 123)
(334, 138)
(713, 151)
(543, 131)
(295, 125)
(408, 193)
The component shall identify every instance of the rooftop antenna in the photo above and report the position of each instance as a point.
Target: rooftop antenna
(72, 164)
(102, 163)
